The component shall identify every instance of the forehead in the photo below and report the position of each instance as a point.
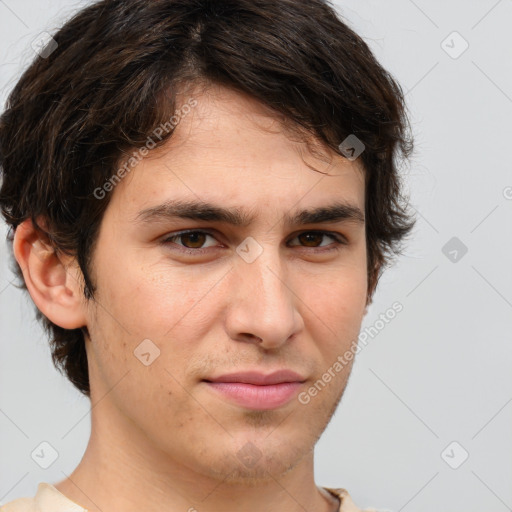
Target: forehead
(230, 149)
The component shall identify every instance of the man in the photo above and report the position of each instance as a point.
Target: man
(203, 196)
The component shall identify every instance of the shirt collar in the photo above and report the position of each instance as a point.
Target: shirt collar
(49, 497)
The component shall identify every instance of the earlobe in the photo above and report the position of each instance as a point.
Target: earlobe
(51, 280)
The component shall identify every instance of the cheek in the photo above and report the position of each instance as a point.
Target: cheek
(146, 302)
(335, 300)
(171, 308)
(142, 373)
(333, 313)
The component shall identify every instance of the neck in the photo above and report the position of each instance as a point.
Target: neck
(122, 469)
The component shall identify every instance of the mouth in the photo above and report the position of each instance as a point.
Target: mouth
(255, 390)
(256, 396)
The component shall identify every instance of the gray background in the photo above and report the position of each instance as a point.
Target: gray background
(440, 371)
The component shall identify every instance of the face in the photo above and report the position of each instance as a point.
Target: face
(267, 294)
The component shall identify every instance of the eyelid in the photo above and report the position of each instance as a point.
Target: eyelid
(177, 234)
(338, 238)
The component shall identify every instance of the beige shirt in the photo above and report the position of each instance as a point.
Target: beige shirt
(49, 499)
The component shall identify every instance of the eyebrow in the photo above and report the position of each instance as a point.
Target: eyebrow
(337, 212)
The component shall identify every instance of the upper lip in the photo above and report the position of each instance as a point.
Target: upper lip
(258, 378)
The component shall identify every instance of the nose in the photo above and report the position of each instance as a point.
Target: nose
(264, 307)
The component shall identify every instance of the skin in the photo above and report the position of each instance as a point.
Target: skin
(161, 439)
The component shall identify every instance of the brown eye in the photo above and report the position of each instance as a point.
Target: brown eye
(190, 240)
(312, 239)
(193, 240)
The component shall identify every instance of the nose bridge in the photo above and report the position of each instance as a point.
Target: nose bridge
(267, 275)
(265, 305)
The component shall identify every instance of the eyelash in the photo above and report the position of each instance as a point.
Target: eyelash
(340, 241)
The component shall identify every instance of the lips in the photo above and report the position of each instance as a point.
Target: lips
(255, 390)
(260, 379)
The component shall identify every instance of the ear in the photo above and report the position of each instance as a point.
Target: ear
(52, 280)
(373, 279)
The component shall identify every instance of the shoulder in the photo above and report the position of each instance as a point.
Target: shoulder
(347, 505)
(19, 505)
(47, 499)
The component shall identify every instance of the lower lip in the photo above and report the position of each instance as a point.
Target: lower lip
(252, 396)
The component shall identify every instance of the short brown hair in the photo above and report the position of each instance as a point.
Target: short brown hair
(113, 77)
